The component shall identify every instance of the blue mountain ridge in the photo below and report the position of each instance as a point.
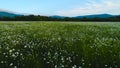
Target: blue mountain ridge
(96, 16)
(8, 14)
(87, 16)
(56, 16)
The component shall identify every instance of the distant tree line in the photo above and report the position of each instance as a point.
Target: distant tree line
(46, 18)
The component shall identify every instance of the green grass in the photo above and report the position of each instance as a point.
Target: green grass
(59, 44)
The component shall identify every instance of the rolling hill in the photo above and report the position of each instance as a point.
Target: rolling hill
(8, 14)
(56, 16)
(96, 16)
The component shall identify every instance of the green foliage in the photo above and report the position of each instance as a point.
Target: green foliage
(59, 45)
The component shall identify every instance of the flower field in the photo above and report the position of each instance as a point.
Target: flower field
(59, 44)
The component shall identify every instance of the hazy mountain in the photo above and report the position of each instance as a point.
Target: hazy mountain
(8, 14)
(56, 16)
(87, 16)
(96, 16)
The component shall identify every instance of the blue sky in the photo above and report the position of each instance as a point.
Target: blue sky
(61, 7)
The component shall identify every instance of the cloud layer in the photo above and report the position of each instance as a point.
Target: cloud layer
(93, 7)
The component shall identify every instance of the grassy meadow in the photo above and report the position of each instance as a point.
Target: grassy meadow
(59, 44)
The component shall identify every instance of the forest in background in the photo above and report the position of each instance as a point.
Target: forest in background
(48, 18)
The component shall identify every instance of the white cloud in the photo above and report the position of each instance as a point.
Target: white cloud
(92, 7)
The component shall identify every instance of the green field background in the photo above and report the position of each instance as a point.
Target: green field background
(59, 44)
